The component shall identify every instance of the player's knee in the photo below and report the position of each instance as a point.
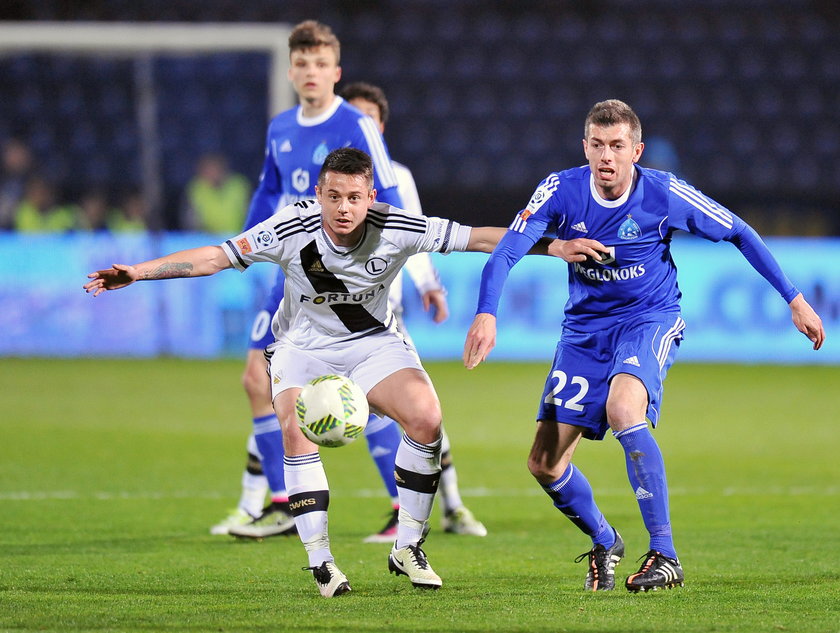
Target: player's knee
(539, 468)
(255, 381)
(423, 425)
(621, 413)
(547, 466)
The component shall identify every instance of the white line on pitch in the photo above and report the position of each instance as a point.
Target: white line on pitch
(732, 491)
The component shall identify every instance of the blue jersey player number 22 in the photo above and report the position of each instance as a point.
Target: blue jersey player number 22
(621, 329)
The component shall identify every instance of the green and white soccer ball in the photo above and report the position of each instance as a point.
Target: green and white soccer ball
(332, 410)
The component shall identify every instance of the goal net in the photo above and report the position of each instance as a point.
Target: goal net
(117, 105)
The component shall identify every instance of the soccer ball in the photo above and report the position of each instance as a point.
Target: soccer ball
(332, 410)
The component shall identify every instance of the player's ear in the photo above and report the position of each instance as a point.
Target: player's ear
(372, 196)
(637, 154)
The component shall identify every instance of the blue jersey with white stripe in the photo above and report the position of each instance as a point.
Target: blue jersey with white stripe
(638, 276)
(296, 148)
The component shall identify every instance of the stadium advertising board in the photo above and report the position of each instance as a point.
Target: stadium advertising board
(733, 315)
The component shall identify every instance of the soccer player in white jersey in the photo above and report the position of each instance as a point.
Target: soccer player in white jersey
(340, 256)
(622, 326)
(297, 142)
(382, 433)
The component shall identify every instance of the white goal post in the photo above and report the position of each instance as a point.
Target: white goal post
(142, 42)
(158, 37)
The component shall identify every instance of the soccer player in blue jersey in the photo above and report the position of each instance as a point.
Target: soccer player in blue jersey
(622, 327)
(297, 142)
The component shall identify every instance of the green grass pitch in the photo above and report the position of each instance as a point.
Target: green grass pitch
(111, 473)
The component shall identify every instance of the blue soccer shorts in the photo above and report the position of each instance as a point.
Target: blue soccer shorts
(585, 362)
(261, 334)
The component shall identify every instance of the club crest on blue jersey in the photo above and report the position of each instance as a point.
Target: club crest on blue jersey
(300, 179)
(629, 229)
(320, 154)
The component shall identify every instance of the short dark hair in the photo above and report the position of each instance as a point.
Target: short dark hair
(368, 92)
(613, 112)
(312, 34)
(350, 161)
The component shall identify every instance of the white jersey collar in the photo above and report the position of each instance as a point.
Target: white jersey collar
(612, 204)
(342, 250)
(317, 120)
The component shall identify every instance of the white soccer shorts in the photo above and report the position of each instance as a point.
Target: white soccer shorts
(366, 361)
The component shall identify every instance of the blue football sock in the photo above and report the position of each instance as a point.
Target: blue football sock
(269, 439)
(383, 441)
(573, 496)
(646, 471)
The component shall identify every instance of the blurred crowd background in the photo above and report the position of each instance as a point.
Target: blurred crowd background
(739, 97)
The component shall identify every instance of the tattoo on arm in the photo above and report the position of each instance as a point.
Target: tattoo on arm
(170, 271)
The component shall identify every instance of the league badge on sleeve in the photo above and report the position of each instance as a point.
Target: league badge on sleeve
(263, 240)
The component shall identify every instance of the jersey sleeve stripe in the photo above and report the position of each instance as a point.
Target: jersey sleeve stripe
(296, 225)
(447, 235)
(235, 253)
(381, 161)
(397, 226)
(699, 197)
(552, 182)
(701, 202)
(517, 225)
(408, 218)
(290, 231)
(391, 221)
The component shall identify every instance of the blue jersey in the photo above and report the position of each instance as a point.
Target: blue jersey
(637, 276)
(296, 147)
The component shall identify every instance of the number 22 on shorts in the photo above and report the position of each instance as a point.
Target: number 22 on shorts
(580, 382)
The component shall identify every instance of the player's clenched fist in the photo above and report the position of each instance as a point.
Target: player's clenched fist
(578, 250)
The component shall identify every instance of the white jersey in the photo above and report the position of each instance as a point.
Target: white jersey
(333, 293)
(419, 267)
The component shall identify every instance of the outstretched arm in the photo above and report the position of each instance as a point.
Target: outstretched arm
(759, 256)
(485, 238)
(807, 321)
(195, 262)
(481, 338)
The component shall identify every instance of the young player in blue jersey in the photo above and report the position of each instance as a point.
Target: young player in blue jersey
(622, 326)
(297, 142)
(382, 433)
